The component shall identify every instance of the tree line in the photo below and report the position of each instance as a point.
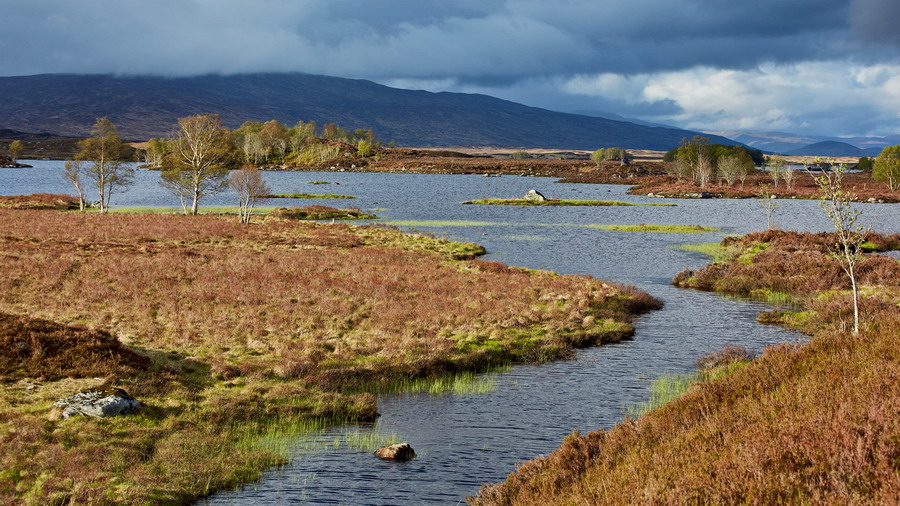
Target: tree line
(203, 158)
(273, 143)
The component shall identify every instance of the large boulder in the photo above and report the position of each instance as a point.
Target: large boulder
(399, 451)
(97, 403)
(535, 196)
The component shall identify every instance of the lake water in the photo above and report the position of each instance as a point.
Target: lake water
(466, 440)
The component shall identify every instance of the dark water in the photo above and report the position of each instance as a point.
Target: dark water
(466, 440)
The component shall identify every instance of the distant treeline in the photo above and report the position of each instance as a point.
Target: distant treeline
(273, 143)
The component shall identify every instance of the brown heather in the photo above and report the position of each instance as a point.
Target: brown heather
(39, 201)
(231, 329)
(804, 186)
(817, 423)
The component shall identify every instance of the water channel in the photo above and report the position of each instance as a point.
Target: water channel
(466, 440)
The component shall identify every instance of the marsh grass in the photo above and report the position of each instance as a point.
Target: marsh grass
(715, 250)
(306, 196)
(460, 383)
(666, 229)
(663, 390)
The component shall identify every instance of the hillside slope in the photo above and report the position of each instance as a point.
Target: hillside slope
(144, 107)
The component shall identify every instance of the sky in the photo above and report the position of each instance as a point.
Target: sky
(812, 67)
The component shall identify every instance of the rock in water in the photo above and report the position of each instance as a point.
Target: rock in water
(399, 451)
(535, 196)
(98, 403)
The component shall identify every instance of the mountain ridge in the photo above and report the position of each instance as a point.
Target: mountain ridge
(148, 106)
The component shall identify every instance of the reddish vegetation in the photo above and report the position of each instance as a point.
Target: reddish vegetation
(793, 263)
(39, 201)
(31, 348)
(248, 327)
(657, 183)
(289, 290)
(436, 162)
(816, 423)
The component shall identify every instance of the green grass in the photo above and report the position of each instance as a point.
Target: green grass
(663, 390)
(306, 196)
(668, 229)
(555, 202)
(715, 250)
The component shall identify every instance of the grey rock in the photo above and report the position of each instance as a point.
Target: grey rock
(399, 451)
(535, 196)
(98, 403)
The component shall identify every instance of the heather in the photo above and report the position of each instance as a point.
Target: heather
(39, 201)
(811, 423)
(654, 181)
(234, 335)
(319, 212)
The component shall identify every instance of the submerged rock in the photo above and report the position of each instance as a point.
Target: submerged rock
(535, 196)
(97, 403)
(399, 451)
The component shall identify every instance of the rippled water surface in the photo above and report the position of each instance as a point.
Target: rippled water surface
(466, 440)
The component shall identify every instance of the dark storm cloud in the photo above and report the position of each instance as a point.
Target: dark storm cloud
(524, 50)
(876, 20)
(481, 41)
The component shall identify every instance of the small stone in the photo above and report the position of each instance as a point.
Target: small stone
(398, 452)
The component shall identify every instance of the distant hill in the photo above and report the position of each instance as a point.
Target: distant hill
(827, 148)
(784, 142)
(144, 107)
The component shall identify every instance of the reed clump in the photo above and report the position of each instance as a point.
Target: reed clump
(812, 423)
(230, 335)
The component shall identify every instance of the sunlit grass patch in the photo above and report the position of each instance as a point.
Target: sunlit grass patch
(712, 249)
(668, 229)
(663, 390)
(457, 384)
(307, 196)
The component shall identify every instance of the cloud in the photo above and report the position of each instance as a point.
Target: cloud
(629, 56)
(475, 41)
(876, 20)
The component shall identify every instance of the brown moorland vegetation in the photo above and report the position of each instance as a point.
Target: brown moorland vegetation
(227, 332)
(39, 201)
(656, 182)
(816, 423)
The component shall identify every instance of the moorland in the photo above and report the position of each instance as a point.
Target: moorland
(233, 335)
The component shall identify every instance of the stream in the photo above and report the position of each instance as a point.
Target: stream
(465, 440)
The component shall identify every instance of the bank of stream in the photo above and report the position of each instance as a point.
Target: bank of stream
(469, 439)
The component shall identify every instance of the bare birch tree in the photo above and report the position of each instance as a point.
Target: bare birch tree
(250, 188)
(201, 149)
(106, 153)
(837, 203)
(72, 173)
(769, 205)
